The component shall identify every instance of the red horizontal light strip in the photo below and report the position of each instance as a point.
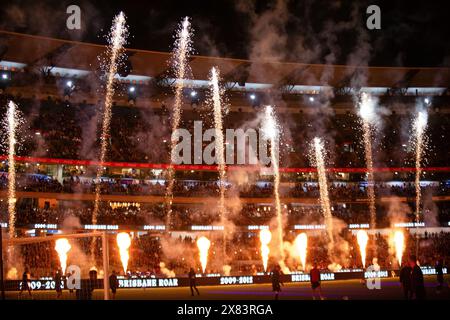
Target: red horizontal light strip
(186, 167)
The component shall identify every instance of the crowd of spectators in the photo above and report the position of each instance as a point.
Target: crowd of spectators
(68, 130)
(342, 191)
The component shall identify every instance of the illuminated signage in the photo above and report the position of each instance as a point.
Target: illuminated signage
(207, 228)
(409, 224)
(300, 277)
(375, 274)
(309, 226)
(101, 227)
(3, 224)
(45, 226)
(49, 283)
(148, 283)
(431, 271)
(153, 227)
(358, 226)
(257, 227)
(42, 284)
(236, 280)
(304, 277)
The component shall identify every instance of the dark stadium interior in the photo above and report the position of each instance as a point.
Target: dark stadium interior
(67, 169)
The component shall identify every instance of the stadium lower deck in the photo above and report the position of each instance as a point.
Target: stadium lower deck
(332, 290)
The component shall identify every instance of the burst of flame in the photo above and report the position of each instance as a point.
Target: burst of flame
(124, 243)
(117, 40)
(399, 242)
(62, 247)
(362, 238)
(301, 244)
(203, 245)
(265, 236)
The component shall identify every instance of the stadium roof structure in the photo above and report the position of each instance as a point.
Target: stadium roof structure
(22, 50)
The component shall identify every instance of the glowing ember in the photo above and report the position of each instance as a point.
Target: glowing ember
(362, 238)
(124, 243)
(368, 116)
(62, 246)
(116, 39)
(180, 65)
(216, 101)
(270, 131)
(301, 244)
(11, 126)
(203, 245)
(419, 128)
(265, 236)
(399, 242)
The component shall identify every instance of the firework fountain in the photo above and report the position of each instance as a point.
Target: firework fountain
(271, 132)
(62, 247)
(11, 125)
(116, 40)
(124, 243)
(362, 238)
(216, 97)
(265, 236)
(301, 245)
(318, 158)
(368, 117)
(419, 128)
(203, 245)
(180, 64)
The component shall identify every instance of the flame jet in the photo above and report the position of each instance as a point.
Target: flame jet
(124, 243)
(362, 238)
(301, 244)
(399, 242)
(265, 236)
(62, 247)
(203, 245)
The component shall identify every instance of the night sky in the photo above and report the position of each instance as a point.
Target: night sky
(334, 32)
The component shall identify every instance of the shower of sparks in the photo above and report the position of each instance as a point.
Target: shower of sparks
(419, 129)
(116, 40)
(368, 117)
(270, 130)
(318, 158)
(217, 102)
(180, 65)
(11, 124)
